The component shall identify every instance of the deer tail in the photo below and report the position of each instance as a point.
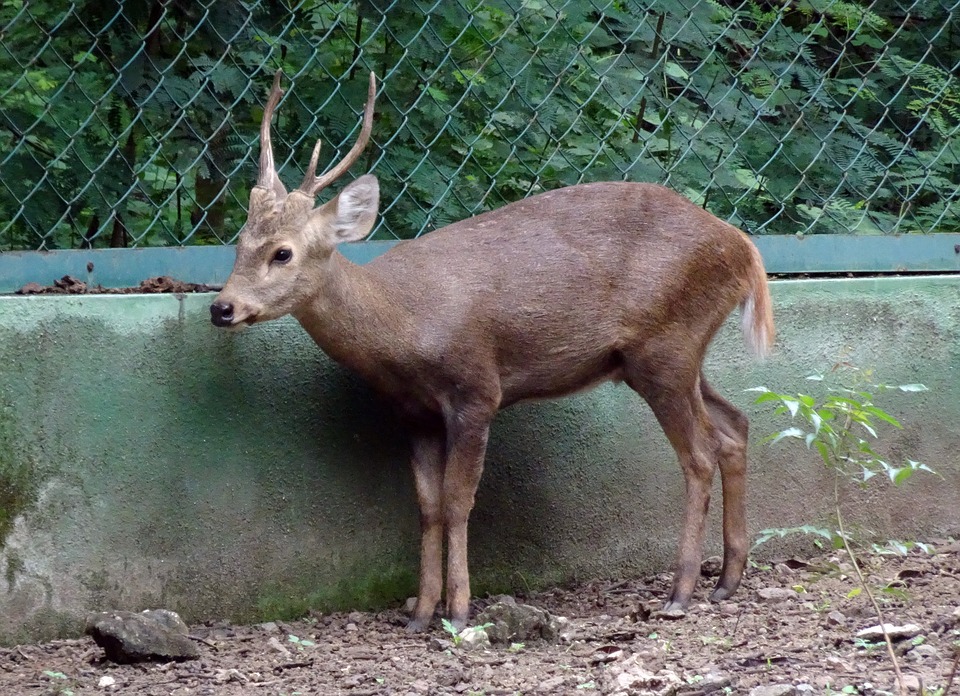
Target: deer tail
(756, 310)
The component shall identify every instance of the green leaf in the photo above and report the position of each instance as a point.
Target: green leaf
(676, 71)
(882, 415)
(789, 432)
(898, 476)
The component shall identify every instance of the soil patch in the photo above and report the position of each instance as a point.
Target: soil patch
(792, 623)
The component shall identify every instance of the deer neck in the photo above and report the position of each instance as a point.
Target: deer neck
(351, 316)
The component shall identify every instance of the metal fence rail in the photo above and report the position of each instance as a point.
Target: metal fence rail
(135, 122)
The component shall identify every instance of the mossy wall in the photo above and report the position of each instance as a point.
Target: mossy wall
(148, 459)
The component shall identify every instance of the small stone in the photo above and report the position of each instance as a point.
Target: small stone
(774, 690)
(269, 627)
(420, 686)
(566, 631)
(439, 644)
(449, 677)
(474, 638)
(106, 682)
(713, 681)
(275, 643)
(805, 689)
(669, 614)
(874, 634)
(551, 683)
(729, 609)
(923, 651)
(356, 617)
(710, 567)
(410, 605)
(836, 618)
(223, 676)
(633, 677)
(911, 682)
(776, 595)
(30, 289)
(351, 628)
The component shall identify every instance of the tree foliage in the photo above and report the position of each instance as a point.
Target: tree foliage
(136, 122)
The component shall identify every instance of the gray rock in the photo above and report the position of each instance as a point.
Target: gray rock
(127, 636)
(729, 609)
(836, 618)
(439, 644)
(518, 623)
(275, 643)
(912, 682)
(774, 690)
(712, 682)
(874, 634)
(775, 595)
(710, 567)
(633, 678)
(922, 651)
(669, 614)
(551, 683)
(474, 638)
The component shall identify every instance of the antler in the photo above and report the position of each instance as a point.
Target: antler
(313, 183)
(269, 179)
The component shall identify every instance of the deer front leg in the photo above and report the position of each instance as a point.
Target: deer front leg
(429, 453)
(468, 445)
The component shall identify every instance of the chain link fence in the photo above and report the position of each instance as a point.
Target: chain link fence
(135, 122)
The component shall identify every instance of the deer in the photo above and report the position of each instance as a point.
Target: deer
(553, 294)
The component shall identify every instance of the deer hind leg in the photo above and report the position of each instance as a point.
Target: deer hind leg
(428, 460)
(467, 433)
(677, 403)
(733, 426)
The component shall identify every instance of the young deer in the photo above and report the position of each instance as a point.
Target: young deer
(541, 298)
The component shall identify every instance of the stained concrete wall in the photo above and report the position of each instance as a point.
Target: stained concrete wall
(148, 459)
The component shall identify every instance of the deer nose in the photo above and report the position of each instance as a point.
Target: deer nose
(221, 313)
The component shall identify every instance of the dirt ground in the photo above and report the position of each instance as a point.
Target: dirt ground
(792, 623)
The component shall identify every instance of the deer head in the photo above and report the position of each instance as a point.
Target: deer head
(287, 240)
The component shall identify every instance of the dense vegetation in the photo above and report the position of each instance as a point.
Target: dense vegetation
(135, 122)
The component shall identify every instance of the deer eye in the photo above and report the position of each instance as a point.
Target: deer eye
(282, 255)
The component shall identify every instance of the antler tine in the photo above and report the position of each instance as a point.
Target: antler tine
(269, 178)
(313, 183)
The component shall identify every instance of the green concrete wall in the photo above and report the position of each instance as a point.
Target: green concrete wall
(148, 459)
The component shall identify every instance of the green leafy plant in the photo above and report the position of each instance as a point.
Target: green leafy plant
(457, 636)
(301, 643)
(842, 427)
(61, 682)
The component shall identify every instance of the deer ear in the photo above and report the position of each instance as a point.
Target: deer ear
(350, 216)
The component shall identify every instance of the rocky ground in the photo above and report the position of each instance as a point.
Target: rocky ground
(791, 629)
(68, 285)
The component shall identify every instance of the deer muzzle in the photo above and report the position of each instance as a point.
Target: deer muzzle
(221, 314)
